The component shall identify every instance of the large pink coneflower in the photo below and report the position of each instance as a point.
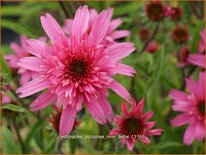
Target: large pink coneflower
(199, 59)
(111, 35)
(192, 106)
(77, 69)
(20, 52)
(133, 125)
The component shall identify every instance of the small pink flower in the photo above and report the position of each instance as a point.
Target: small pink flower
(78, 69)
(5, 98)
(199, 59)
(134, 126)
(176, 13)
(192, 106)
(152, 47)
(184, 53)
(111, 35)
(13, 59)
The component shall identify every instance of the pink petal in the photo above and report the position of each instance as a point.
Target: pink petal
(32, 87)
(178, 95)
(148, 115)
(30, 63)
(23, 40)
(12, 60)
(150, 125)
(120, 34)
(67, 120)
(114, 24)
(124, 108)
(17, 49)
(202, 85)
(120, 90)
(182, 106)
(42, 101)
(106, 108)
(193, 87)
(155, 132)
(189, 135)
(36, 47)
(25, 77)
(100, 27)
(180, 120)
(96, 111)
(52, 28)
(200, 130)
(120, 50)
(145, 140)
(130, 145)
(114, 132)
(124, 69)
(5, 99)
(117, 120)
(197, 59)
(140, 106)
(81, 21)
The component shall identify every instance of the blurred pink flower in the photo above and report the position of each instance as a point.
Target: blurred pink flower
(5, 98)
(111, 35)
(77, 69)
(134, 126)
(176, 13)
(152, 47)
(183, 55)
(199, 59)
(193, 107)
(13, 59)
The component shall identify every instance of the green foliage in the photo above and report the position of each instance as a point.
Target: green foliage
(157, 74)
(9, 146)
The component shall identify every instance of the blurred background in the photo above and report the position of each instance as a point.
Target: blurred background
(157, 74)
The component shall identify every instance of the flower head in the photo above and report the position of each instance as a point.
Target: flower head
(183, 57)
(111, 35)
(180, 34)
(156, 11)
(20, 52)
(192, 106)
(144, 34)
(134, 126)
(77, 69)
(152, 47)
(199, 59)
(176, 13)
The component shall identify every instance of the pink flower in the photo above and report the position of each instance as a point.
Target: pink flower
(77, 69)
(152, 47)
(199, 59)
(192, 106)
(5, 98)
(134, 126)
(111, 35)
(183, 57)
(13, 59)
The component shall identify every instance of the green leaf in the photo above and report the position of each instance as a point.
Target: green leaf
(127, 8)
(13, 107)
(8, 143)
(5, 69)
(16, 27)
(72, 145)
(196, 36)
(156, 75)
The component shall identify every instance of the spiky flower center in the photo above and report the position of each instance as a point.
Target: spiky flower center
(132, 126)
(156, 9)
(77, 68)
(201, 108)
(180, 33)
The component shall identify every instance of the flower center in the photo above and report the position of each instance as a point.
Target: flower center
(201, 108)
(132, 126)
(180, 33)
(77, 68)
(156, 9)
